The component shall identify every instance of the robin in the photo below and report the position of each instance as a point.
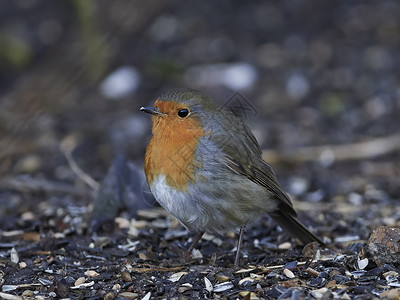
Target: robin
(204, 166)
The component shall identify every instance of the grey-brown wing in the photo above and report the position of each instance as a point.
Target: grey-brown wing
(263, 175)
(243, 156)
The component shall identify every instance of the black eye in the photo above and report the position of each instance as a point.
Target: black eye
(183, 113)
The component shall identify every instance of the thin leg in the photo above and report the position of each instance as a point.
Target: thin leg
(239, 245)
(195, 242)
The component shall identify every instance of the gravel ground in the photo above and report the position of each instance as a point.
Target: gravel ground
(320, 82)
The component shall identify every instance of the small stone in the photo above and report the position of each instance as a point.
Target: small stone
(383, 246)
(22, 265)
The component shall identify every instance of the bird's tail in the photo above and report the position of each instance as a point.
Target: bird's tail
(294, 227)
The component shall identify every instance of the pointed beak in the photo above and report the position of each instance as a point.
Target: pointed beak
(152, 110)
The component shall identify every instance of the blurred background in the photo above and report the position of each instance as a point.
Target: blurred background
(75, 73)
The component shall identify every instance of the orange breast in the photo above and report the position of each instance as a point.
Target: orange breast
(172, 147)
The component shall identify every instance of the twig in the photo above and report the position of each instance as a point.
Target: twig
(368, 149)
(269, 269)
(80, 173)
(29, 184)
(312, 272)
(155, 269)
(67, 146)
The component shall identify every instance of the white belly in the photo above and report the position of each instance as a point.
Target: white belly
(200, 210)
(180, 205)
